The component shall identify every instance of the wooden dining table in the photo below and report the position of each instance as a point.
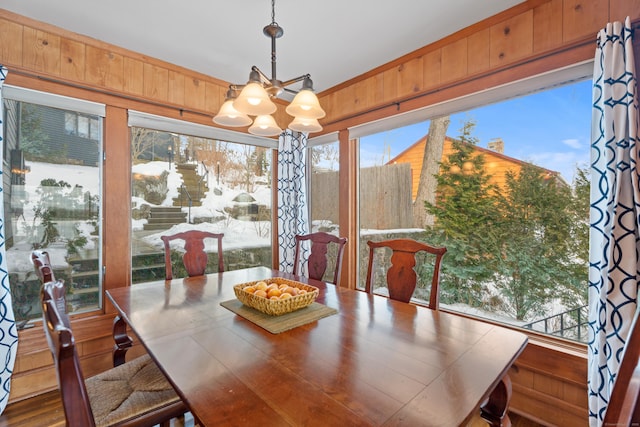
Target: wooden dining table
(375, 361)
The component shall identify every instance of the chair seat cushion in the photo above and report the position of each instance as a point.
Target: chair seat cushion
(129, 390)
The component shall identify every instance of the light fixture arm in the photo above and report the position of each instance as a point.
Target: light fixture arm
(307, 83)
(263, 77)
(306, 77)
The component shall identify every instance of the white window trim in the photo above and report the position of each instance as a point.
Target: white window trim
(51, 100)
(151, 121)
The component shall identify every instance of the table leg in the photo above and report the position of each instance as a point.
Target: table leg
(494, 410)
(122, 341)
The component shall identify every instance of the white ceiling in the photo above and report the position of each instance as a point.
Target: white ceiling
(333, 40)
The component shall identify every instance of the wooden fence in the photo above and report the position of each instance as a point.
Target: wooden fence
(385, 197)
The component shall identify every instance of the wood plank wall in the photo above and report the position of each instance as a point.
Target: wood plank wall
(533, 37)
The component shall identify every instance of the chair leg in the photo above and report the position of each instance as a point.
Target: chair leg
(122, 341)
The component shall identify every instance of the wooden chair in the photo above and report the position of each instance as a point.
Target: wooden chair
(133, 394)
(624, 408)
(401, 277)
(195, 258)
(317, 261)
(42, 265)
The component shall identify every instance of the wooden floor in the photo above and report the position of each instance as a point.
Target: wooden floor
(46, 410)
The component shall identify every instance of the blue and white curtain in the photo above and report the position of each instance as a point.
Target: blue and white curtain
(293, 210)
(615, 212)
(8, 331)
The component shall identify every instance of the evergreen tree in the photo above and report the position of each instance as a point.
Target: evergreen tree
(466, 215)
(33, 140)
(536, 246)
(575, 294)
(261, 163)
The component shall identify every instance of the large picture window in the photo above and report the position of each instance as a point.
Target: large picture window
(182, 182)
(505, 188)
(53, 203)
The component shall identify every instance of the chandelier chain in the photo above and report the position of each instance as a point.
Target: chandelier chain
(273, 12)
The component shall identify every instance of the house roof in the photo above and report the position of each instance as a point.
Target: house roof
(497, 164)
(479, 150)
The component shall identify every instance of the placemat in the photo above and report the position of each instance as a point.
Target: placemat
(277, 324)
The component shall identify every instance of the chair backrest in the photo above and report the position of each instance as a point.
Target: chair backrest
(42, 265)
(317, 261)
(401, 277)
(75, 400)
(623, 408)
(195, 258)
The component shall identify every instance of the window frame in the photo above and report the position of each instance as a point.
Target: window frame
(153, 122)
(85, 108)
(517, 88)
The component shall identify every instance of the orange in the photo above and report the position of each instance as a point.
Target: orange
(290, 290)
(285, 295)
(260, 293)
(250, 289)
(261, 285)
(274, 298)
(275, 292)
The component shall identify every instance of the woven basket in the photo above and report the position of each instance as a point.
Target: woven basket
(276, 307)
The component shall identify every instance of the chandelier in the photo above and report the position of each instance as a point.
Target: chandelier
(254, 98)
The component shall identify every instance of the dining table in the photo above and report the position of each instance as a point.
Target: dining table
(361, 360)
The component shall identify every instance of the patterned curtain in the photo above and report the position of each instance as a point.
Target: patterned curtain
(293, 211)
(615, 211)
(8, 331)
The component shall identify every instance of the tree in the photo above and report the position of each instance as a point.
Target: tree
(466, 215)
(59, 201)
(325, 154)
(430, 166)
(537, 257)
(575, 294)
(33, 140)
(248, 161)
(142, 141)
(261, 162)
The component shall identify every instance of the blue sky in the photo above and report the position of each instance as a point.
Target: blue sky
(551, 129)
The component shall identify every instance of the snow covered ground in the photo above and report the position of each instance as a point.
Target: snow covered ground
(238, 233)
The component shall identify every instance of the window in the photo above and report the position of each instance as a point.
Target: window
(53, 203)
(82, 125)
(324, 186)
(325, 167)
(182, 182)
(509, 200)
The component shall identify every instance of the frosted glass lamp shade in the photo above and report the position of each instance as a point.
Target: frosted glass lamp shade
(254, 101)
(300, 124)
(229, 116)
(305, 105)
(265, 125)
